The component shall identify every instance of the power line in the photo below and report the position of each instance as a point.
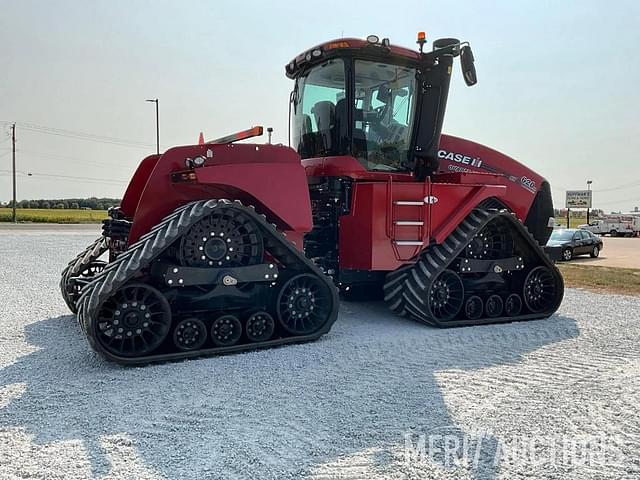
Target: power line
(635, 183)
(80, 161)
(106, 142)
(624, 200)
(82, 135)
(620, 187)
(66, 177)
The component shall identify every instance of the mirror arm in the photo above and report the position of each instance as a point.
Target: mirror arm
(453, 50)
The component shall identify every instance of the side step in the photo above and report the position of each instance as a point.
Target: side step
(409, 223)
(418, 242)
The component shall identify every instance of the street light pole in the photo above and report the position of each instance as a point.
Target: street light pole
(155, 100)
(589, 182)
(13, 151)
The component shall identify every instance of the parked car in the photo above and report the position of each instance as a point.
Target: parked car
(574, 242)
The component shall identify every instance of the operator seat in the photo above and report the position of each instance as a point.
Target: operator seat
(324, 113)
(306, 145)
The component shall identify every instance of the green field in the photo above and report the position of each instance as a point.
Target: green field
(601, 279)
(573, 222)
(43, 215)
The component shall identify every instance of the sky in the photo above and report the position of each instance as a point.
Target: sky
(558, 82)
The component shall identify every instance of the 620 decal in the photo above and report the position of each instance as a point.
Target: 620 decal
(528, 183)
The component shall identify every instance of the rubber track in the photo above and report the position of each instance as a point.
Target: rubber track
(77, 265)
(405, 289)
(156, 241)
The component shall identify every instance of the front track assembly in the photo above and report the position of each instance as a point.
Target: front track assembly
(489, 270)
(213, 277)
(80, 270)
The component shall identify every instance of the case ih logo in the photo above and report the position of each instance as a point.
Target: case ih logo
(460, 158)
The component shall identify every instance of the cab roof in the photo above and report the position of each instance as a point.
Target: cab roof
(349, 46)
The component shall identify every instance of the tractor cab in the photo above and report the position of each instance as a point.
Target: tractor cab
(377, 103)
(366, 117)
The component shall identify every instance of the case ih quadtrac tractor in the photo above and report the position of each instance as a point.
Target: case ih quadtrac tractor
(225, 246)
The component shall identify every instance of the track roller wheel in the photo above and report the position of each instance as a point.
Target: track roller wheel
(493, 306)
(513, 305)
(539, 289)
(304, 304)
(223, 239)
(134, 321)
(259, 327)
(493, 241)
(473, 307)
(190, 334)
(226, 330)
(445, 296)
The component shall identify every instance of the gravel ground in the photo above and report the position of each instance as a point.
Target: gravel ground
(556, 398)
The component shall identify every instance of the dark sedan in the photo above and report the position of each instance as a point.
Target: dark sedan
(575, 242)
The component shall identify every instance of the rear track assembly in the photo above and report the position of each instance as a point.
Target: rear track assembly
(213, 277)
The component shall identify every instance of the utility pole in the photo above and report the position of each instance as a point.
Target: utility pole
(13, 151)
(155, 100)
(589, 182)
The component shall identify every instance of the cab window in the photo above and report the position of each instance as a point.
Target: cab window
(319, 111)
(384, 98)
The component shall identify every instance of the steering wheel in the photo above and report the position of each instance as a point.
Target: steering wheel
(380, 130)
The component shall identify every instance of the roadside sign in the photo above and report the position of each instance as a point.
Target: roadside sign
(578, 199)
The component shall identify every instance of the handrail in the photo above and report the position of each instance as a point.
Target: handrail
(235, 137)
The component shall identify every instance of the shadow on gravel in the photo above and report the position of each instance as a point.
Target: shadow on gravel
(322, 409)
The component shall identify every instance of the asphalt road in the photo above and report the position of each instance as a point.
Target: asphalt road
(378, 397)
(87, 228)
(617, 252)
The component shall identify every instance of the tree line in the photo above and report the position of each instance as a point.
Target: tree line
(92, 203)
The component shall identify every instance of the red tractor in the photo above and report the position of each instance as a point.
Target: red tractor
(222, 246)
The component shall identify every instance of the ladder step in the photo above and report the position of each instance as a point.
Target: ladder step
(408, 202)
(408, 243)
(409, 222)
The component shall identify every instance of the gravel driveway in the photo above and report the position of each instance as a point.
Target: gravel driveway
(379, 397)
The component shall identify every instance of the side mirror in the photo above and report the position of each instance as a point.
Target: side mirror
(468, 67)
